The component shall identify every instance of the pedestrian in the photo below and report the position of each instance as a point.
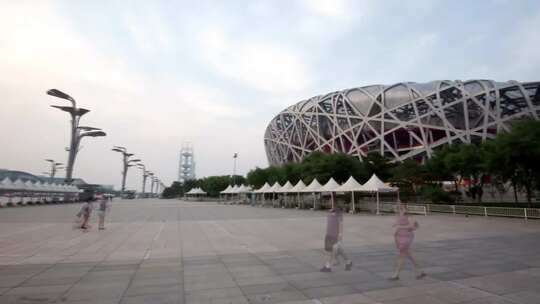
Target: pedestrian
(103, 208)
(404, 236)
(333, 241)
(85, 212)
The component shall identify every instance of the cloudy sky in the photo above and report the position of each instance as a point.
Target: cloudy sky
(158, 73)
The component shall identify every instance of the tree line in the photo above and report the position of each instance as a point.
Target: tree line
(511, 158)
(213, 185)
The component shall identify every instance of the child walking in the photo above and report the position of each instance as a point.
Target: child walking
(404, 236)
(334, 239)
(103, 208)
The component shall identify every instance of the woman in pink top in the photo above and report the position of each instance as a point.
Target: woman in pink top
(404, 237)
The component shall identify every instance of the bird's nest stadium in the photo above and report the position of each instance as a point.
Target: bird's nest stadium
(400, 121)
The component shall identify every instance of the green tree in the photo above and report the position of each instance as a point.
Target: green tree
(514, 156)
(257, 177)
(379, 165)
(213, 185)
(409, 176)
(175, 190)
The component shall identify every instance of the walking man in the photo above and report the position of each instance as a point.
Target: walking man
(333, 241)
(85, 212)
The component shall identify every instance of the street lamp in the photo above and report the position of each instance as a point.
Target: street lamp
(235, 156)
(54, 167)
(126, 163)
(144, 176)
(156, 182)
(151, 174)
(77, 133)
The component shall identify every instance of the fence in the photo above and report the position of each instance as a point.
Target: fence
(425, 209)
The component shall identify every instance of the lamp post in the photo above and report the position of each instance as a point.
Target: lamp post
(235, 156)
(54, 167)
(144, 176)
(156, 181)
(77, 133)
(151, 174)
(126, 163)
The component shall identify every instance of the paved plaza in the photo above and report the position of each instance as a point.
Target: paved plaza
(169, 251)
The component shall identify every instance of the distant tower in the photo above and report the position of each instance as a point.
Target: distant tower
(186, 168)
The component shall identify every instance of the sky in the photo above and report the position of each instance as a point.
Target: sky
(158, 73)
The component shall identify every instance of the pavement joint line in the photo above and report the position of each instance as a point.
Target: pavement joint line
(225, 237)
(42, 271)
(224, 264)
(181, 252)
(148, 252)
(104, 259)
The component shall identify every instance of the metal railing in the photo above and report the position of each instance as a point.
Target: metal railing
(425, 209)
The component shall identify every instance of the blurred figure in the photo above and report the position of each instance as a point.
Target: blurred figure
(333, 241)
(103, 207)
(404, 236)
(85, 212)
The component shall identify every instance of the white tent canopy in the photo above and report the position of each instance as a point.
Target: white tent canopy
(244, 189)
(314, 186)
(374, 184)
(351, 185)
(199, 191)
(263, 188)
(6, 184)
(330, 186)
(286, 188)
(227, 190)
(298, 187)
(235, 189)
(196, 191)
(274, 188)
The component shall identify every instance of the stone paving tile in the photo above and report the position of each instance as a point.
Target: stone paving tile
(13, 280)
(38, 290)
(493, 299)
(28, 299)
(210, 295)
(392, 293)
(304, 284)
(267, 288)
(524, 297)
(417, 299)
(328, 291)
(276, 297)
(260, 255)
(259, 280)
(152, 289)
(96, 292)
(450, 276)
(356, 298)
(167, 298)
(139, 280)
(503, 283)
(454, 293)
(377, 284)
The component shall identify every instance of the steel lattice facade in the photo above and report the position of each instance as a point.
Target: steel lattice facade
(400, 121)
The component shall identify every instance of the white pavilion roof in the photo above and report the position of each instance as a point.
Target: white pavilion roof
(286, 188)
(314, 186)
(298, 187)
(330, 186)
(351, 185)
(263, 188)
(375, 184)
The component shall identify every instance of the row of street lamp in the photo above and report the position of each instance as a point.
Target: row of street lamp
(79, 132)
(127, 162)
